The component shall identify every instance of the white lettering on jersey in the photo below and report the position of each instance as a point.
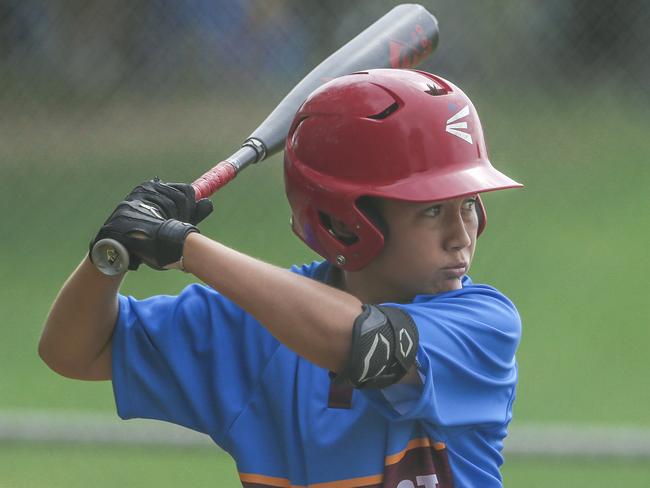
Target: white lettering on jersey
(426, 481)
(405, 484)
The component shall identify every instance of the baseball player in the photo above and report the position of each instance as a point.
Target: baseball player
(383, 365)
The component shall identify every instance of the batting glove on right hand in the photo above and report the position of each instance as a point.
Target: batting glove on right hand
(153, 221)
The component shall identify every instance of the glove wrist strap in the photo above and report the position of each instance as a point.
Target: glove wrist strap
(170, 238)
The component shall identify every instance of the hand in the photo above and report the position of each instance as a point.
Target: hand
(153, 221)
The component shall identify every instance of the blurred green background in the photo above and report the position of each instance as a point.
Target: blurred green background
(97, 96)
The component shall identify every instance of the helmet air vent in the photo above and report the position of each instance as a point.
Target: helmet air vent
(384, 113)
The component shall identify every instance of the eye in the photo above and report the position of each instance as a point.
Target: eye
(470, 204)
(432, 211)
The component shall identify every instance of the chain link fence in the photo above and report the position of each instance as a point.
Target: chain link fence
(59, 51)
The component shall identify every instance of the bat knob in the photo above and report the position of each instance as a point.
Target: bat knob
(110, 257)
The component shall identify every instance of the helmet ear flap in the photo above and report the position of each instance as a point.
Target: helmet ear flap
(369, 207)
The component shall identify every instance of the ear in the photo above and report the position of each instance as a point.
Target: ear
(482, 215)
(341, 231)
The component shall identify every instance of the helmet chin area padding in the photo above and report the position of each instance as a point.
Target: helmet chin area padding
(368, 206)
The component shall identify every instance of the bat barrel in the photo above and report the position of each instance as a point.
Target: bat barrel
(400, 39)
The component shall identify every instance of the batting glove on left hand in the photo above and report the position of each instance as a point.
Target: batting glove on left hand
(153, 221)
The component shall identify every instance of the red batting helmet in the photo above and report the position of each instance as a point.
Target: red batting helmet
(390, 133)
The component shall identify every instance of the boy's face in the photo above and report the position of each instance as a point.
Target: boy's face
(429, 246)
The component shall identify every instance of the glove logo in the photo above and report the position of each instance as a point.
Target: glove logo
(453, 126)
(153, 210)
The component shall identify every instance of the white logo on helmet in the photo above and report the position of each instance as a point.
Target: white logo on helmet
(453, 126)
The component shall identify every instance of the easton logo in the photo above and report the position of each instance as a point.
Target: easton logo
(453, 126)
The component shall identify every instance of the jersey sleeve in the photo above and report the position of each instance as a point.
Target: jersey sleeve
(192, 360)
(466, 360)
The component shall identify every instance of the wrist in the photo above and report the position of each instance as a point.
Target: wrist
(188, 257)
(171, 237)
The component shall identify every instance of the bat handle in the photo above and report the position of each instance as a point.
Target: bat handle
(212, 180)
(110, 257)
(252, 151)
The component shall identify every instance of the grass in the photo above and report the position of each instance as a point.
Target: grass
(66, 466)
(570, 249)
(61, 466)
(575, 473)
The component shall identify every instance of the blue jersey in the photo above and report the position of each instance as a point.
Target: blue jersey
(200, 361)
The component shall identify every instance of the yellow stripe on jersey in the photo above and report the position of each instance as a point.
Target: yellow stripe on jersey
(260, 479)
(352, 482)
(413, 444)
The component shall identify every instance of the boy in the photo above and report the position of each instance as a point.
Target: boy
(383, 365)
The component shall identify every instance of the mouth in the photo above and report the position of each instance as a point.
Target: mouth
(456, 270)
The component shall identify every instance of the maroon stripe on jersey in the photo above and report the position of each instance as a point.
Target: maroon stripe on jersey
(422, 464)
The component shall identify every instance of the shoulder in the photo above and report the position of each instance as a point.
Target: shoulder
(318, 270)
(472, 303)
(476, 315)
(199, 319)
(196, 303)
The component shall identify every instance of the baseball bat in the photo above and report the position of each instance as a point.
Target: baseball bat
(402, 38)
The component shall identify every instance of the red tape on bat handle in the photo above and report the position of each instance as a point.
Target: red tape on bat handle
(212, 180)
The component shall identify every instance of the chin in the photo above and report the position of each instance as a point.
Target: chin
(451, 285)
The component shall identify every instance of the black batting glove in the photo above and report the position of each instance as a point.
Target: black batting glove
(153, 221)
(175, 200)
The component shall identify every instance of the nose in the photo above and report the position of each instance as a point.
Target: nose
(458, 232)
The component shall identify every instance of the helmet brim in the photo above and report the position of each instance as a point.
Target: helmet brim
(430, 188)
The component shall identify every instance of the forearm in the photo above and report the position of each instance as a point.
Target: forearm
(76, 338)
(311, 318)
